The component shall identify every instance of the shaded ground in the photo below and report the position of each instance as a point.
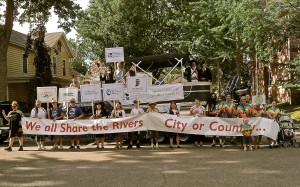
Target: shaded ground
(164, 167)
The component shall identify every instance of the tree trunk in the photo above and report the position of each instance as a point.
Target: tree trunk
(238, 54)
(4, 40)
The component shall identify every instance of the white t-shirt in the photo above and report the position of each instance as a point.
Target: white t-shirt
(136, 111)
(40, 114)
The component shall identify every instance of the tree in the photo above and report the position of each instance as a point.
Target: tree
(79, 61)
(33, 10)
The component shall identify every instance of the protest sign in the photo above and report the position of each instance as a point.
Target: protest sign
(46, 94)
(115, 54)
(66, 94)
(137, 84)
(259, 99)
(165, 92)
(113, 91)
(90, 92)
(151, 121)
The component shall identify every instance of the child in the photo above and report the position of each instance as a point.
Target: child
(247, 131)
(153, 134)
(198, 110)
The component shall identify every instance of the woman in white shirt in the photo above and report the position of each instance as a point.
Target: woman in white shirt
(119, 113)
(39, 112)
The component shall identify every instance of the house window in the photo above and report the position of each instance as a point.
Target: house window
(59, 46)
(25, 63)
(54, 65)
(64, 68)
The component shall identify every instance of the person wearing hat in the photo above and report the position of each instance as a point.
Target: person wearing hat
(204, 73)
(191, 73)
(135, 135)
(74, 113)
(39, 112)
(153, 134)
(14, 118)
(56, 113)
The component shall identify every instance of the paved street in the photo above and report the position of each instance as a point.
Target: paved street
(187, 166)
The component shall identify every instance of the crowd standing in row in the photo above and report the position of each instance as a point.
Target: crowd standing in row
(215, 108)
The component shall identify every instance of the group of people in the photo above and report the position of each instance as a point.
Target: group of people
(216, 107)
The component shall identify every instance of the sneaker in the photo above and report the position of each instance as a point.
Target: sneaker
(138, 146)
(39, 148)
(61, 147)
(102, 147)
(77, 147)
(20, 148)
(97, 147)
(129, 146)
(71, 147)
(152, 146)
(171, 147)
(178, 146)
(251, 149)
(117, 147)
(43, 148)
(212, 145)
(54, 147)
(156, 146)
(245, 148)
(8, 149)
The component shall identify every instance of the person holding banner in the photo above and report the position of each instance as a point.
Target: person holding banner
(100, 112)
(228, 111)
(118, 112)
(14, 118)
(137, 134)
(119, 72)
(273, 113)
(74, 112)
(39, 112)
(56, 113)
(153, 134)
(214, 110)
(174, 111)
(258, 110)
(198, 110)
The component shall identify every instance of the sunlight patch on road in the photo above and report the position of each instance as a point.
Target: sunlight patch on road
(173, 172)
(223, 162)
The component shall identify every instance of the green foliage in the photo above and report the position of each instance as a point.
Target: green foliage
(294, 70)
(78, 63)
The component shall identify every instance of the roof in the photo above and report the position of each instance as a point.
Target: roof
(159, 61)
(51, 39)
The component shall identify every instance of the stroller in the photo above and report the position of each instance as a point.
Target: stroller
(286, 133)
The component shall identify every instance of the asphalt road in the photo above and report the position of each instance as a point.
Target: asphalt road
(187, 166)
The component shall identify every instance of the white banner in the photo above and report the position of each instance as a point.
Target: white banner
(113, 91)
(90, 92)
(137, 84)
(66, 94)
(165, 92)
(259, 99)
(46, 94)
(115, 54)
(151, 121)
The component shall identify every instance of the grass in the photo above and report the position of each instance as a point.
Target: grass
(293, 111)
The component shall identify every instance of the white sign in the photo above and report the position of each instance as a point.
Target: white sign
(259, 99)
(165, 92)
(152, 121)
(137, 84)
(46, 94)
(115, 54)
(66, 94)
(113, 91)
(148, 75)
(90, 92)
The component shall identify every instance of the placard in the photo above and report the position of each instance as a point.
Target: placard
(259, 99)
(137, 84)
(66, 94)
(115, 54)
(113, 91)
(90, 92)
(46, 94)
